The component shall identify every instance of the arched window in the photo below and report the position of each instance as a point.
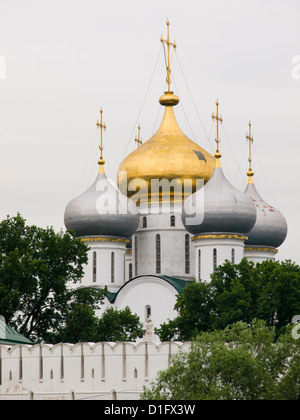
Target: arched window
(215, 259)
(147, 311)
(233, 256)
(144, 222)
(94, 267)
(112, 267)
(158, 254)
(187, 254)
(130, 271)
(172, 221)
(199, 264)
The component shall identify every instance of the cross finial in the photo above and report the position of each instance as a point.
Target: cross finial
(102, 127)
(138, 139)
(168, 62)
(217, 118)
(250, 172)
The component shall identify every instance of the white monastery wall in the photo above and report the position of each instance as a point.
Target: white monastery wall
(82, 371)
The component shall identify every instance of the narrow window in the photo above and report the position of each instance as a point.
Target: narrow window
(148, 311)
(233, 256)
(215, 259)
(187, 254)
(112, 267)
(158, 256)
(172, 221)
(144, 222)
(135, 255)
(130, 271)
(199, 264)
(94, 267)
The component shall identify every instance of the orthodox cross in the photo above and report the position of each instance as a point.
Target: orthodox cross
(250, 139)
(138, 139)
(101, 126)
(168, 63)
(217, 118)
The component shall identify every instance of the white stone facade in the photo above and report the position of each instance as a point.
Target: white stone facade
(84, 371)
(260, 254)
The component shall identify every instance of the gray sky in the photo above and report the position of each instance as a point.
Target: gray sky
(66, 59)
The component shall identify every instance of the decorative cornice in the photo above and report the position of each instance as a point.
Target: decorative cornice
(121, 240)
(240, 237)
(253, 249)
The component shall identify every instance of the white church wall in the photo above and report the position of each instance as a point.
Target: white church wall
(214, 252)
(172, 247)
(259, 254)
(104, 251)
(82, 371)
(152, 292)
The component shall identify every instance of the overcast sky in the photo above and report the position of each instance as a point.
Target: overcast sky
(60, 61)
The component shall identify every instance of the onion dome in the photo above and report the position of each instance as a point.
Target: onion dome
(168, 155)
(270, 229)
(102, 210)
(225, 209)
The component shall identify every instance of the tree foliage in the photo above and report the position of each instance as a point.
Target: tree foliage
(35, 267)
(241, 362)
(120, 325)
(38, 271)
(269, 291)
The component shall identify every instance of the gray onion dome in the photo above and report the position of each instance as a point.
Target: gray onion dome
(102, 211)
(225, 210)
(271, 228)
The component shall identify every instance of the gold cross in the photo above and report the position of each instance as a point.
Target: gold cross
(168, 63)
(102, 126)
(217, 118)
(137, 139)
(250, 172)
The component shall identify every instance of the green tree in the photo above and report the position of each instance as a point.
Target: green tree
(235, 290)
(36, 265)
(80, 324)
(279, 292)
(241, 362)
(269, 291)
(120, 325)
(195, 314)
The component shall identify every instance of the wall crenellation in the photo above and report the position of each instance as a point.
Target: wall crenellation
(83, 370)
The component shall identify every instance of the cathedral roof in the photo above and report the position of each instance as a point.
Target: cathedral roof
(270, 229)
(226, 210)
(102, 211)
(168, 155)
(178, 284)
(218, 207)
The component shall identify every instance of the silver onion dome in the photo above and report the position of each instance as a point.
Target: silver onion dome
(102, 211)
(225, 210)
(271, 228)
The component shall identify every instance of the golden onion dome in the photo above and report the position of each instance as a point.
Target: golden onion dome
(168, 155)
